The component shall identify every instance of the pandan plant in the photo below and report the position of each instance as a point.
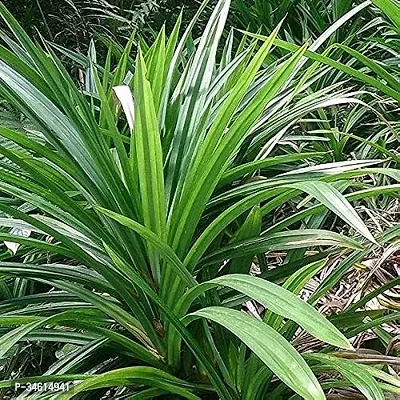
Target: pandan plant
(144, 205)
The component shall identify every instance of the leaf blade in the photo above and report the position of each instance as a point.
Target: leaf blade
(276, 352)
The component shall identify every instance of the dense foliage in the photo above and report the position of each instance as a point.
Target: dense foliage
(175, 224)
(73, 23)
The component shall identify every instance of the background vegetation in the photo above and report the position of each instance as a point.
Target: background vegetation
(206, 209)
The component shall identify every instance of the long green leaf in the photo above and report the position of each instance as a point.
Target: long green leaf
(280, 301)
(294, 239)
(356, 374)
(269, 346)
(146, 145)
(133, 376)
(335, 201)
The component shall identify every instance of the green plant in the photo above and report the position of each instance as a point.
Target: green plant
(73, 23)
(145, 213)
(306, 19)
(303, 19)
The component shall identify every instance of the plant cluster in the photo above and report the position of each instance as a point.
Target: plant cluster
(162, 222)
(74, 23)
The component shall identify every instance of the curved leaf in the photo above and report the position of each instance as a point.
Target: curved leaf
(133, 376)
(280, 301)
(281, 241)
(276, 353)
(355, 373)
